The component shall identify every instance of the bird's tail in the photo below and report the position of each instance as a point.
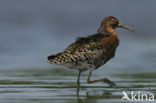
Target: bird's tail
(54, 59)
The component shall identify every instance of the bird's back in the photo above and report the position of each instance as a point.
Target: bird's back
(87, 52)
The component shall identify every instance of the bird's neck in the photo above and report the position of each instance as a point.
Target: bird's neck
(107, 30)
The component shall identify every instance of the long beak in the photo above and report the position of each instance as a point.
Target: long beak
(125, 27)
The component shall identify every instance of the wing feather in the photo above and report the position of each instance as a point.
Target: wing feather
(85, 48)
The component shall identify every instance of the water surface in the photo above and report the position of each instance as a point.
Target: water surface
(58, 85)
(32, 30)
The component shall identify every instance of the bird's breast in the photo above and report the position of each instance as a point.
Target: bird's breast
(110, 44)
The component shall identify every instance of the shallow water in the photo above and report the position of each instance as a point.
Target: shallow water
(58, 85)
(32, 30)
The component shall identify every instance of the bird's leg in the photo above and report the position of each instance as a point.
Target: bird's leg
(110, 83)
(78, 81)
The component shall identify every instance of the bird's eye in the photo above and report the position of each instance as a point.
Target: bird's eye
(113, 21)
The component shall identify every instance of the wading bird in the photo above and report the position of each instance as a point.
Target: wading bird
(91, 52)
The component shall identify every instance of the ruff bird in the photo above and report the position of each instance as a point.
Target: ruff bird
(91, 52)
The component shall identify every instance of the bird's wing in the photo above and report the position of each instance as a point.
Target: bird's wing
(84, 48)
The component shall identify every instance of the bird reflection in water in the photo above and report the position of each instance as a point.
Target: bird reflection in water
(92, 96)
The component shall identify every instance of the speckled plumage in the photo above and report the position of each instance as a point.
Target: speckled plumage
(87, 53)
(91, 52)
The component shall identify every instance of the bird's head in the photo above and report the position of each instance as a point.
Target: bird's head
(112, 22)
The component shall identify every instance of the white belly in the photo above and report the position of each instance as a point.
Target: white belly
(81, 65)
